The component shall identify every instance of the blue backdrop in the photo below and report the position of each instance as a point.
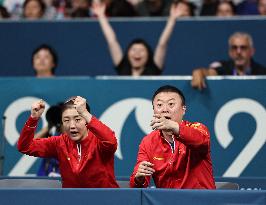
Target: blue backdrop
(234, 111)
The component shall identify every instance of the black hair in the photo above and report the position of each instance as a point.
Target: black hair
(70, 104)
(3, 12)
(80, 13)
(51, 51)
(54, 117)
(170, 88)
(159, 11)
(40, 2)
(125, 68)
(120, 8)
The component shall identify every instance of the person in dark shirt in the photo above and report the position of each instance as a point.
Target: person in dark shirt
(138, 59)
(241, 62)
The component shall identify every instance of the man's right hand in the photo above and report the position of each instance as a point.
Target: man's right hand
(37, 109)
(144, 169)
(198, 79)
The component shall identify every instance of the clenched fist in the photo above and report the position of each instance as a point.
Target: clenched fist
(37, 109)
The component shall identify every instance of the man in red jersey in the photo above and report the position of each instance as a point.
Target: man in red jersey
(177, 153)
(85, 150)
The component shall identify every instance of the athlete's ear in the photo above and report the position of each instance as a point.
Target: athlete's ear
(184, 109)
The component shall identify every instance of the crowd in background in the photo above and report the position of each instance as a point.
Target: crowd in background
(69, 9)
(139, 59)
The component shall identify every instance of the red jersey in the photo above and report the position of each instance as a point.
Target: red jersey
(187, 165)
(90, 166)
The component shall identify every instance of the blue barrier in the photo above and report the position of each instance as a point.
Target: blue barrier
(82, 49)
(245, 183)
(202, 197)
(129, 197)
(70, 196)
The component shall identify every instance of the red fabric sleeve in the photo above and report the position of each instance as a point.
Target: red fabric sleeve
(142, 156)
(194, 134)
(45, 147)
(107, 139)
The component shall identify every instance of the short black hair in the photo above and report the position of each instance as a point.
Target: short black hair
(51, 51)
(170, 88)
(54, 117)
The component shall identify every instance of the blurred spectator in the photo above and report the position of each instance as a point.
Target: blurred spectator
(222, 8)
(153, 8)
(58, 9)
(208, 8)
(134, 2)
(50, 11)
(33, 9)
(241, 52)
(117, 8)
(80, 9)
(225, 8)
(120, 8)
(185, 8)
(161, 7)
(4, 13)
(138, 58)
(44, 61)
(247, 7)
(14, 7)
(262, 7)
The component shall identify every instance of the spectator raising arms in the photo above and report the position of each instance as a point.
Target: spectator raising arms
(138, 59)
